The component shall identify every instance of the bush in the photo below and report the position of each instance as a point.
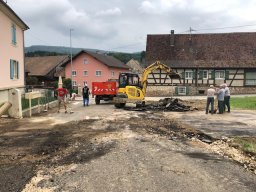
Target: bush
(31, 81)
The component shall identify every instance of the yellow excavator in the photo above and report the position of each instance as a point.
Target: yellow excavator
(133, 90)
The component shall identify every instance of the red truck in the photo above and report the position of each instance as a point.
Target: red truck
(104, 91)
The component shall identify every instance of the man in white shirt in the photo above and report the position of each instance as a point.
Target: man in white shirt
(210, 99)
(226, 98)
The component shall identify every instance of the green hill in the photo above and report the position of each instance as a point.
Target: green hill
(42, 50)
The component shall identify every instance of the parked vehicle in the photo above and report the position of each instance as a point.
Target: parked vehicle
(104, 91)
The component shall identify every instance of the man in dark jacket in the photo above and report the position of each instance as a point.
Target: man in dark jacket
(86, 93)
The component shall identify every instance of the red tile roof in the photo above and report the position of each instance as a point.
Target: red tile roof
(222, 50)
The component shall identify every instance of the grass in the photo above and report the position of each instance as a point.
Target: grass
(34, 102)
(243, 103)
(246, 144)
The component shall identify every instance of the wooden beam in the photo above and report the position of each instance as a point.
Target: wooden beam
(233, 78)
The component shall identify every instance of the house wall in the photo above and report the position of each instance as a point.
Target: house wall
(234, 79)
(92, 66)
(10, 51)
(169, 91)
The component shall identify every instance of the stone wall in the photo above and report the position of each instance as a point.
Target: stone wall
(168, 91)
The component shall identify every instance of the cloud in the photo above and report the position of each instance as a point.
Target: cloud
(116, 23)
(109, 12)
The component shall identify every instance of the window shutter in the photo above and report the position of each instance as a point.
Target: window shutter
(200, 75)
(227, 75)
(194, 75)
(18, 75)
(187, 90)
(11, 69)
(212, 74)
(176, 90)
(15, 34)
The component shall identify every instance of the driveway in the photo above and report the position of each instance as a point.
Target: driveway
(237, 123)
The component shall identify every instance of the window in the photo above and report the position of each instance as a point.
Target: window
(85, 73)
(205, 74)
(112, 74)
(98, 73)
(250, 78)
(189, 75)
(14, 34)
(85, 83)
(14, 69)
(219, 74)
(181, 90)
(74, 83)
(73, 73)
(85, 61)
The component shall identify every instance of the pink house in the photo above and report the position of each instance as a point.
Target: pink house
(88, 67)
(12, 51)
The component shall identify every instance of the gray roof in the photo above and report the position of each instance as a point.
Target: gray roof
(214, 50)
(103, 58)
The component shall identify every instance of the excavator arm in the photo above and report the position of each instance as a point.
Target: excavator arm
(135, 92)
(156, 66)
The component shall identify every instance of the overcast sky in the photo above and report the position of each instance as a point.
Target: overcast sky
(122, 25)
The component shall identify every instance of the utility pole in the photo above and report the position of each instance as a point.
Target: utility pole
(71, 59)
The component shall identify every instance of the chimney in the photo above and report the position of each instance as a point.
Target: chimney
(172, 38)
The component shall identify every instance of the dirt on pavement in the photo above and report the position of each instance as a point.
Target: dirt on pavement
(62, 141)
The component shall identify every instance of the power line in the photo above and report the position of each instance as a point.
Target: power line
(218, 28)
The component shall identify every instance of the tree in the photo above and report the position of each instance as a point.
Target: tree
(31, 81)
(67, 83)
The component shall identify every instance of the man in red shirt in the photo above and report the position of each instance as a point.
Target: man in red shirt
(62, 92)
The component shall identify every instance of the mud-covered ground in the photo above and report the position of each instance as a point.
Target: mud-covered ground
(100, 148)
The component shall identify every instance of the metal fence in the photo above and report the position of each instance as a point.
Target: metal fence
(48, 96)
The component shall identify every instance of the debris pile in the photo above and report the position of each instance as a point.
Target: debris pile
(170, 104)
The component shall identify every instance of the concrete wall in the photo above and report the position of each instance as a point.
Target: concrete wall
(37, 109)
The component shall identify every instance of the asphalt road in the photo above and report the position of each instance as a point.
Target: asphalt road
(100, 148)
(128, 157)
(145, 163)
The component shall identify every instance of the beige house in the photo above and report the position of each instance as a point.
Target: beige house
(12, 51)
(135, 66)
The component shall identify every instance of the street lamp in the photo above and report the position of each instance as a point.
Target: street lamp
(71, 59)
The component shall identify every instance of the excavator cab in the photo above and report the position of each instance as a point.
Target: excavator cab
(129, 79)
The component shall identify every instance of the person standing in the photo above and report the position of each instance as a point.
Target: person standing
(220, 96)
(226, 98)
(62, 92)
(210, 99)
(86, 93)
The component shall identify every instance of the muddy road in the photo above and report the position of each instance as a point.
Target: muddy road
(100, 148)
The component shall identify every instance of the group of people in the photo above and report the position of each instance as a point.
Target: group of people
(62, 93)
(223, 97)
